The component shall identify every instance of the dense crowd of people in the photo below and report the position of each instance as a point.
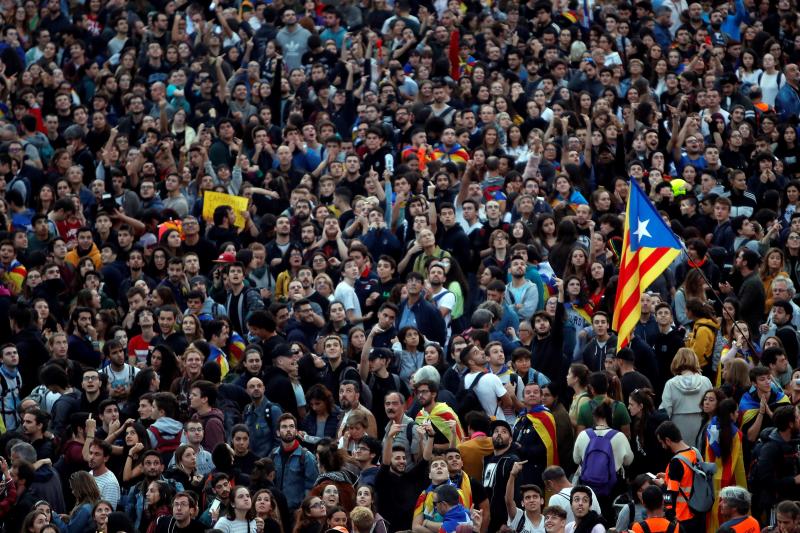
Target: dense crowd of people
(351, 266)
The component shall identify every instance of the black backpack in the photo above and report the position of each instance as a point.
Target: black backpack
(467, 397)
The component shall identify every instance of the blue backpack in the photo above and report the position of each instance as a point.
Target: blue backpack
(598, 469)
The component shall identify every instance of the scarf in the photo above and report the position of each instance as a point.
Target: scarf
(289, 450)
(698, 264)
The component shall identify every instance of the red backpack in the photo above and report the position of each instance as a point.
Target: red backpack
(166, 445)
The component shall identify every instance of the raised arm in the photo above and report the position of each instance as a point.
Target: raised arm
(511, 505)
(363, 367)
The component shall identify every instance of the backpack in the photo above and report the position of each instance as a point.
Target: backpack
(231, 414)
(598, 469)
(671, 528)
(166, 445)
(467, 397)
(4, 390)
(701, 496)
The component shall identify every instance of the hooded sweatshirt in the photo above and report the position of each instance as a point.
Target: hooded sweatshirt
(167, 427)
(214, 428)
(681, 401)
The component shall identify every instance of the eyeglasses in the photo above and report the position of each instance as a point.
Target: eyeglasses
(317, 504)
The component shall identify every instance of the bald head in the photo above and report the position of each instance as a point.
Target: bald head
(255, 389)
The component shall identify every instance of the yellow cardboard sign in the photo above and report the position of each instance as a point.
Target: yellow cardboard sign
(212, 200)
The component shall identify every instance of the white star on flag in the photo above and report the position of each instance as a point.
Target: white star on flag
(641, 228)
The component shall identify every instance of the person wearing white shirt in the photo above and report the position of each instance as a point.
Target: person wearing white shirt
(581, 503)
(771, 80)
(489, 390)
(532, 501)
(241, 516)
(557, 484)
(623, 455)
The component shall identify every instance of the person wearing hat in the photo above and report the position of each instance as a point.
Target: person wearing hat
(631, 378)
(277, 382)
(497, 470)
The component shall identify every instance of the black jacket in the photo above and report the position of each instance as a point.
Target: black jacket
(774, 469)
(547, 354)
(278, 389)
(455, 241)
(33, 354)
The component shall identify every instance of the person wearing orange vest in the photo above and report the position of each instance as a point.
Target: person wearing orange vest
(653, 500)
(677, 480)
(734, 508)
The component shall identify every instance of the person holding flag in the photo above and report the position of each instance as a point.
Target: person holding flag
(441, 416)
(535, 435)
(648, 247)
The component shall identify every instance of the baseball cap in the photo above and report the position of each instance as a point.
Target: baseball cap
(198, 279)
(380, 353)
(500, 423)
(226, 257)
(280, 350)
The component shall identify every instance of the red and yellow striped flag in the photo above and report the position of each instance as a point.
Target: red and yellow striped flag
(648, 248)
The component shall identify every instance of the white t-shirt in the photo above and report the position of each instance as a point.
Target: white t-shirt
(123, 378)
(528, 527)
(346, 294)
(770, 86)
(562, 499)
(488, 390)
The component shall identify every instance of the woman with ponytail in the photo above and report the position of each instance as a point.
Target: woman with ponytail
(724, 447)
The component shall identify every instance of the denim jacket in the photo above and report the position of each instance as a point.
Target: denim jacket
(296, 476)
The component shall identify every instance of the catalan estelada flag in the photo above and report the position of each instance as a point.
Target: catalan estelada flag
(648, 248)
(544, 424)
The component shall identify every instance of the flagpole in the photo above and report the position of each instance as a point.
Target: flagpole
(717, 297)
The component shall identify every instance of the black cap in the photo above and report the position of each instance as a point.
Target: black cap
(380, 353)
(281, 350)
(500, 422)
